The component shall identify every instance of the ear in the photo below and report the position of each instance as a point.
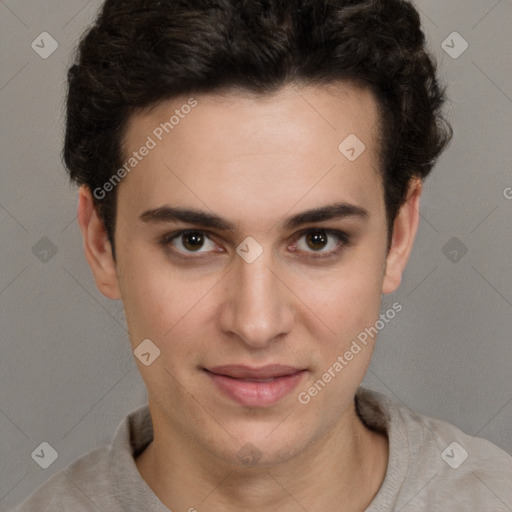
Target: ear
(405, 227)
(97, 246)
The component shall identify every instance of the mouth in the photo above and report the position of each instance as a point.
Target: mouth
(255, 387)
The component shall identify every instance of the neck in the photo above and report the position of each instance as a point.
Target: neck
(343, 471)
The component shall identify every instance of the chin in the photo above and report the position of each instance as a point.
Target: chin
(260, 447)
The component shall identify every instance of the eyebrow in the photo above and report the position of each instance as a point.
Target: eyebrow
(331, 211)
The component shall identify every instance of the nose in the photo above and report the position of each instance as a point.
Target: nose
(257, 305)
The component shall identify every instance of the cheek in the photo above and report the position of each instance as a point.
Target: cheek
(153, 299)
(170, 306)
(346, 300)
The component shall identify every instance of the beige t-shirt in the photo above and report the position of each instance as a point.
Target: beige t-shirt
(433, 466)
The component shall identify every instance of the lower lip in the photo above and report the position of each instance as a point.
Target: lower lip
(256, 394)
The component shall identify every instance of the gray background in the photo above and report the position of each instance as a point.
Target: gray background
(67, 374)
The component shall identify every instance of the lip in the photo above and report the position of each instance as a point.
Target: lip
(255, 387)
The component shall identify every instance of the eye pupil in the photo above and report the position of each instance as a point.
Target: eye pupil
(193, 241)
(316, 239)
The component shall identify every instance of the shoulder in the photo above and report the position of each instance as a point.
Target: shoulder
(104, 479)
(442, 465)
(72, 488)
(468, 471)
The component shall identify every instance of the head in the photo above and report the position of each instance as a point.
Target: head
(243, 109)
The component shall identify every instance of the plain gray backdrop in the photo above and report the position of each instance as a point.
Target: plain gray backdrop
(67, 373)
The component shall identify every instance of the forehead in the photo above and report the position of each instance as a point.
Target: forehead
(296, 112)
(273, 147)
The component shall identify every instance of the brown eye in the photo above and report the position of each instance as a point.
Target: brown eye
(192, 241)
(188, 242)
(321, 243)
(316, 240)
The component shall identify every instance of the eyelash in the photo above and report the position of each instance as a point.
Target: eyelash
(342, 238)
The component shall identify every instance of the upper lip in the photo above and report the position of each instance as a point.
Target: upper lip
(269, 371)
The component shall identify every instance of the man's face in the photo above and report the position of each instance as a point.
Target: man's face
(255, 164)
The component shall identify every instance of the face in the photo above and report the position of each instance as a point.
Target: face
(252, 252)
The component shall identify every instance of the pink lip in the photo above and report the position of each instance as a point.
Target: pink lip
(252, 387)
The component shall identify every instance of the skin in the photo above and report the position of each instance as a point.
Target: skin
(255, 161)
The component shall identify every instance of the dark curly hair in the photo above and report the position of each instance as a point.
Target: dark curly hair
(142, 52)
